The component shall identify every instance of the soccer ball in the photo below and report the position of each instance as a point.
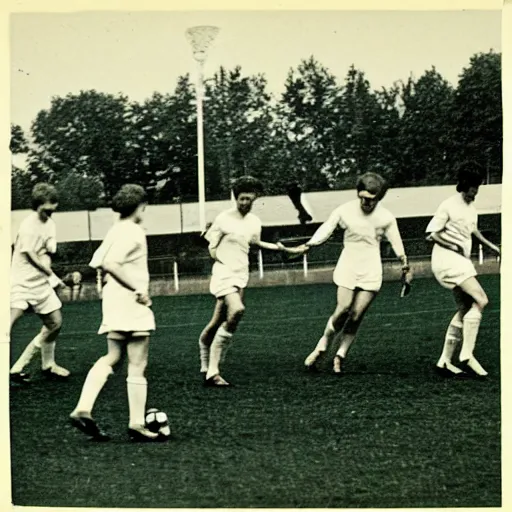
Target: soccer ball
(157, 422)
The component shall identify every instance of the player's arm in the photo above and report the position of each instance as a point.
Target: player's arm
(481, 238)
(324, 232)
(36, 261)
(395, 239)
(213, 236)
(271, 246)
(436, 230)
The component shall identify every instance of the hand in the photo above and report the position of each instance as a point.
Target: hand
(143, 298)
(496, 249)
(55, 281)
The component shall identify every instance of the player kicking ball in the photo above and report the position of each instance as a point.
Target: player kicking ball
(33, 284)
(358, 273)
(451, 229)
(127, 317)
(230, 237)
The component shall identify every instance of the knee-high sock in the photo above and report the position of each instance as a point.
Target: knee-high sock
(30, 350)
(452, 339)
(47, 354)
(204, 353)
(327, 336)
(471, 325)
(137, 388)
(94, 382)
(220, 342)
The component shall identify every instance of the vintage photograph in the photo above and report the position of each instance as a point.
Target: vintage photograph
(256, 259)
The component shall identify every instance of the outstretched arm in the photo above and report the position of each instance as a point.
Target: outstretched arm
(324, 232)
(482, 239)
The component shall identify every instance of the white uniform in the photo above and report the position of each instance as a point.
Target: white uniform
(30, 286)
(457, 220)
(230, 236)
(126, 244)
(360, 265)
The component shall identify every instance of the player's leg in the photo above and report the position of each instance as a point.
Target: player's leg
(81, 417)
(137, 388)
(471, 325)
(16, 371)
(208, 333)
(360, 305)
(234, 313)
(46, 338)
(453, 336)
(344, 299)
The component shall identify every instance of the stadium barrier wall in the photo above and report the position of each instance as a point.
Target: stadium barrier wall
(282, 277)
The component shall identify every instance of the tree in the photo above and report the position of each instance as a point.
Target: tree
(305, 139)
(84, 134)
(77, 192)
(424, 138)
(477, 114)
(18, 143)
(237, 129)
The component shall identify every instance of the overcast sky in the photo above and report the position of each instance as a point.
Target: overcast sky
(138, 53)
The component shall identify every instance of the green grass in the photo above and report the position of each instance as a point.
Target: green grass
(389, 433)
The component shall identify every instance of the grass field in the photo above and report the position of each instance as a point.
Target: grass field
(388, 433)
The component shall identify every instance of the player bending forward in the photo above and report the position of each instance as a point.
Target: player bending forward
(127, 316)
(451, 229)
(33, 283)
(358, 273)
(229, 237)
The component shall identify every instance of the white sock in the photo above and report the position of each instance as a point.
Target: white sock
(94, 382)
(346, 340)
(30, 350)
(471, 325)
(220, 342)
(137, 388)
(452, 339)
(47, 354)
(327, 337)
(204, 353)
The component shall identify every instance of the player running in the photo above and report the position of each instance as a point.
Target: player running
(358, 273)
(230, 237)
(451, 229)
(33, 283)
(127, 316)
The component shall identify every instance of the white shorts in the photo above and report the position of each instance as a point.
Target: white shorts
(450, 268)
(42, 299)
(224, 281)
(351, 273)
(122, 312)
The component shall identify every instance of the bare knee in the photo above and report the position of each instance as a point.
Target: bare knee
(356, 315)
(482, 300)
(340, 317)
(236, 314)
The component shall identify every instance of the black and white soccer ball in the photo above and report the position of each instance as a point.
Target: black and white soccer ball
(157, 422)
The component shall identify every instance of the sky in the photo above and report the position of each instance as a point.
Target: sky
(138, 53)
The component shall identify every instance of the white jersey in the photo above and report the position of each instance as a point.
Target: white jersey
(363, 232)
(33, 236)
(230, 236)
(457, 220)
(125, 244)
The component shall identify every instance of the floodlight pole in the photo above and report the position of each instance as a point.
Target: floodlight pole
(200, 145)
(200, 38)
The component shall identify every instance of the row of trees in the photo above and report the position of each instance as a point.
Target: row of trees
(320, 134)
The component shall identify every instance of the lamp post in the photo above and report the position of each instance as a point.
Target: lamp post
(200, 38)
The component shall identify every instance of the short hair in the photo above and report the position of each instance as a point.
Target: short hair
(248, 185)
(43, 193)
(128, 199)
(469, 174)
(373, 183)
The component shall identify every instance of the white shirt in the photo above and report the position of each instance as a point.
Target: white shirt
(457, 220)
(231, 235)
(126, 244)
(363, 232)
(39, 237)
